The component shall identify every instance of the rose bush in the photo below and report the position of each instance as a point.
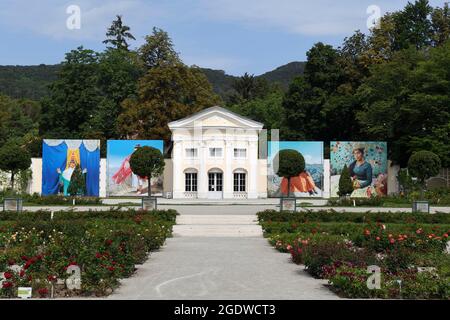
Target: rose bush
(400, 244)
(105, 246)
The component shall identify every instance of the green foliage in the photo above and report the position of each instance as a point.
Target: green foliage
(345, 182)
(14, 158)
(405, 181)
(24, 179)
(165, 93)
(424, 165)
(390, 84)
(85, 100)
(158, 50)
(105, 245)
(147, 162)
(269, 217)
(290, 163)
(339, 246)
(18, 118)
(77, 185)
(413, 89)
(27, 82)
(118, 34)
(267, 110)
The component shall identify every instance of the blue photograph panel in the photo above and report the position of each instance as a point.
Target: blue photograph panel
(121, 180)
(309, 183)
(367, 163)
(60, 159)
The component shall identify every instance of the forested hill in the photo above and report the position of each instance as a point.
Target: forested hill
(285, 74)
(31, 82)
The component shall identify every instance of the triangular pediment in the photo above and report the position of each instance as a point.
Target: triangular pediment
(216, 117)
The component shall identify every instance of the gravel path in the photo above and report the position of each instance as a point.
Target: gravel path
(220, 258)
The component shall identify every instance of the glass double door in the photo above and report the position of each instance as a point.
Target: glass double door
(215, 185)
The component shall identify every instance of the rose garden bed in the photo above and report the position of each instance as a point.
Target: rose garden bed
(39, 252)
(410, 250)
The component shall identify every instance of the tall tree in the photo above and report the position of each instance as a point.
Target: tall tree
(165, 93)
(413, 25)
(406, 102)
(440, 19)
(304, 103)
(245, 85)
(118, 34)
(17, 118)
(118, 74)
(158, 50)
(14, 157)
(73, 97)
(267, 110)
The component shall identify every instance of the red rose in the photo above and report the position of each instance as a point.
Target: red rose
(7, 285)
(43, 292)
(22, 273)
(378, 238)
(51, 278)
(98, 255)
(111, 269)
(108, 242)
(8, 275)
(392, 241)
(445, 235)
(24, 258)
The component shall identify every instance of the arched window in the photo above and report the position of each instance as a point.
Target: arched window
(240, 180)
(190, 178)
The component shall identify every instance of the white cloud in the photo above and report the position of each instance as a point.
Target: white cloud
(320, 17)
(49, 17)
(306, 17)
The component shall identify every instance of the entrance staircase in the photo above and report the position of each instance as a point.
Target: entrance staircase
(224, 225)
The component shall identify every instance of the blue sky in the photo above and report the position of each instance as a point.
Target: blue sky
(118, 150)
(233, 35)
(312, 151)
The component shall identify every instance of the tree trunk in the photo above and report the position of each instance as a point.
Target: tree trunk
(149, 187)
(289, 187)
(422, 187)
(12, 180)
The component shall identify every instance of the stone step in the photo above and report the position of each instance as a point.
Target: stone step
(217, 220)
(220, 230)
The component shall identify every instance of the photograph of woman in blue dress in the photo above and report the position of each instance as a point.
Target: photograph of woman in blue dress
(367, 163)
(360, 170)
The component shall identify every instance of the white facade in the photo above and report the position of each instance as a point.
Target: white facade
(215, 156)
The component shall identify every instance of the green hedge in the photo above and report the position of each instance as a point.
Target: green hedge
(350, 229)
(169, 215)
(440, 196)
(357, 217)
(55, 200)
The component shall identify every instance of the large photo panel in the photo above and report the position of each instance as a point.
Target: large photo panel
(71, 167)
(308, 183)
(121, 180)
(367, 164)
